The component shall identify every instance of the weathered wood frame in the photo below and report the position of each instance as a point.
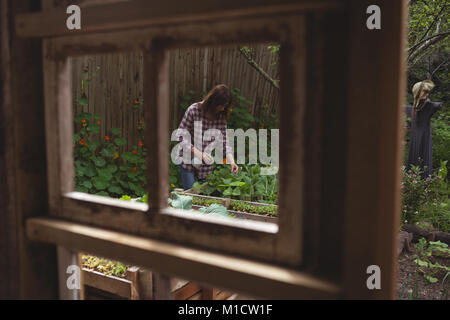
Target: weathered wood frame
(255, 240)
(367, 208)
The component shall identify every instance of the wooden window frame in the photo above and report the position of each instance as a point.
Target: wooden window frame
(251, 239)
(89, 232)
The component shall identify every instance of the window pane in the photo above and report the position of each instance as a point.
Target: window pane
(219, 89)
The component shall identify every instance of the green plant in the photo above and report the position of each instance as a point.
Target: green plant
(246, 207)
(240, 116)
(424, 258)
(105, 266)
(426, 199)
(247, 184)
(205, 202)
(100, 167)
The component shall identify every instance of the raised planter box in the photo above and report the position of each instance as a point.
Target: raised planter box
(97, 285)
(226, 202)
(111, 286)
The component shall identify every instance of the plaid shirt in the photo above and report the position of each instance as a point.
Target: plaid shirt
(195, 113)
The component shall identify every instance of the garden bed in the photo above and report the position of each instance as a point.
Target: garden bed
(110, 280)
(253, 210)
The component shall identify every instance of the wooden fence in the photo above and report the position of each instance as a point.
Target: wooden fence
(113, 83)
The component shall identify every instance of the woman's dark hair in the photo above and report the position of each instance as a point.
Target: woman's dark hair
(220, 95)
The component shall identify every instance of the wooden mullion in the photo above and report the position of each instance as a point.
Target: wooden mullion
(58, 125)
(292, 149)
(156, 116)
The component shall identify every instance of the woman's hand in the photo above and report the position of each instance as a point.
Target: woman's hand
(234, 168)
(207, 158)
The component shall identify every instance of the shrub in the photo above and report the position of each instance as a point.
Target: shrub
(100, 167)
(426, 199)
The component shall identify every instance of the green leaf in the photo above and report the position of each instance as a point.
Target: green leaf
(76, 138)
(102, 193)
(120, 142)
(93, 146)
(104, 173)
(430, 279)
(100, 183)
(115, 131)
(421, 263)
(181, 202)
(115, 189)
(82, 101)
(215, 209)
(228, 192)
(237, 184)
(172, 179)
(87, 184)
(112, 168)
(90, 171)
(81, 189)
(94, 128)
(236, 192)
(107, 153)
(99, 162)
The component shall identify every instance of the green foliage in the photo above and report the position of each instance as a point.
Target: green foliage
(180, 202)
(205, 202)
(441, 137)
(108, 267)
(424, 258)
(175, 180)
(100, 168)
(240, 117)
(426, 18)
(247, 184)
(247, 207)
(426, 199)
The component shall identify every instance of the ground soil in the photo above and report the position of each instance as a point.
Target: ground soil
(406, 278)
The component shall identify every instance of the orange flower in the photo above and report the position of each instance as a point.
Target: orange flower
(84, 124)
(84, 120)
(224, 160)
(98, 122)
(107, 138)
(133, 170)
(142, 184)
(133, 152)
(81, 141)
(140, 143)
(136, 101)
(116, 155)
(140, 121)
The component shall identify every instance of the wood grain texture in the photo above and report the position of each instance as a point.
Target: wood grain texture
(375, 90)
(141, 13)
(35, 265)
(222, 271)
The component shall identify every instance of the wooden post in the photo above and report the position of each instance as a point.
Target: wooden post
(66, 259)
(32, 266)
(162, 289)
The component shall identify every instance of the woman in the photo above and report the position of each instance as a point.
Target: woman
(420, 148)
(212, 113)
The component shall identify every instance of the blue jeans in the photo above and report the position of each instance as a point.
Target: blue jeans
(188, 178)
